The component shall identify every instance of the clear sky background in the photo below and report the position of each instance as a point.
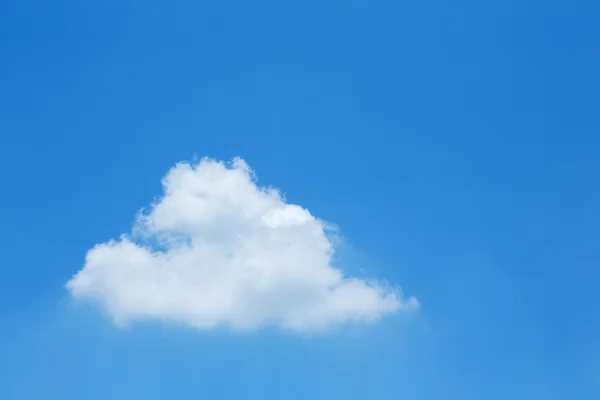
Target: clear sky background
(456, 146)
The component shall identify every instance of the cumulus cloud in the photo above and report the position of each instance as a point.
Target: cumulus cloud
(218, 250)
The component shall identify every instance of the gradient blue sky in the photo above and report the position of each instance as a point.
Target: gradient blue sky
(456, 145)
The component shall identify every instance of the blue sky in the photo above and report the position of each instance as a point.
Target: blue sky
(455, 145)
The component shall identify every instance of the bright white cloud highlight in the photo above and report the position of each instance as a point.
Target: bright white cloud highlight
(216, 250)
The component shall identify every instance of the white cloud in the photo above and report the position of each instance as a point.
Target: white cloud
(219, 250)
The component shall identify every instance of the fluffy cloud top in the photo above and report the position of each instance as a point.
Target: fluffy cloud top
(217, 249)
